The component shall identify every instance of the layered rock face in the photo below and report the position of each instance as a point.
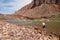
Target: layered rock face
(39, 2)
(40, 9)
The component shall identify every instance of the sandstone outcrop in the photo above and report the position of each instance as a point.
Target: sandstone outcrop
(14, 32)
(40, 9)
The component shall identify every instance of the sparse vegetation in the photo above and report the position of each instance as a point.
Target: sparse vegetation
(55, 18)
(52, 26)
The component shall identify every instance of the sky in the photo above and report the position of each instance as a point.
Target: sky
(11, 6)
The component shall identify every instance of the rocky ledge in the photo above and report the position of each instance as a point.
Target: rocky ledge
(14, 32)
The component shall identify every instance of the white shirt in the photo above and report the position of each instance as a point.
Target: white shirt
(43, 23)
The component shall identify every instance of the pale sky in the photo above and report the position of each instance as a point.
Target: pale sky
(11, 6)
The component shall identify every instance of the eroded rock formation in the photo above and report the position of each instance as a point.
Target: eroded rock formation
(39, 2)
(40, 9)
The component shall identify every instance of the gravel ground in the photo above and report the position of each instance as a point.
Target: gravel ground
(13, 32)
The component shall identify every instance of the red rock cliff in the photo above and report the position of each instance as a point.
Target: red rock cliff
(40, 9)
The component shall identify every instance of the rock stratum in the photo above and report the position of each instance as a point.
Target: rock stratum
(15, 32)
(39, 9)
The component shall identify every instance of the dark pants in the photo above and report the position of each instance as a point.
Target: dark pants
(44, 27)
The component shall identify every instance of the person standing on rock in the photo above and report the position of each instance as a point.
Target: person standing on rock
(43, 31)
(44, 28)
